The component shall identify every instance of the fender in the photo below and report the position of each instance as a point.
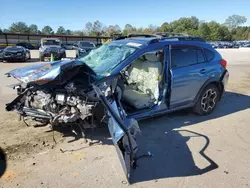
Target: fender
(214, 80)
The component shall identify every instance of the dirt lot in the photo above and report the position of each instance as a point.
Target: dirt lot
(176, 141)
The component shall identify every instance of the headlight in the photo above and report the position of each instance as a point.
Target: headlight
(82, 50)
(19, 54)
(47, 50)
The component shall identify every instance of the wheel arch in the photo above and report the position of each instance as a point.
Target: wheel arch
(211, 81)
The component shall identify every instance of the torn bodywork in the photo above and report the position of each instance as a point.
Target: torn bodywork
(57, 93)
(70, 92)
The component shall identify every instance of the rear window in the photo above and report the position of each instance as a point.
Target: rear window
(86, 44)
(209, 54)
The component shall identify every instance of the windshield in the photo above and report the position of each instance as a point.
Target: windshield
(86, 44)
(51, 42)
(103, 59)
(14, 48)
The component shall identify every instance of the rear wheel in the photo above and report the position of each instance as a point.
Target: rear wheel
(207, 100)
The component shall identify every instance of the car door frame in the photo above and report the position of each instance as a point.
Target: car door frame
(163, 106)
(122, 128)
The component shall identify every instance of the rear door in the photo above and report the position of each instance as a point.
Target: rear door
(189, 71)
(122, 129)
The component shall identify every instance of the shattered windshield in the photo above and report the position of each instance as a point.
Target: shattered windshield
(103, 59)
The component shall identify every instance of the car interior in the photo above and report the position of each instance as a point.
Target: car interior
(142, 81)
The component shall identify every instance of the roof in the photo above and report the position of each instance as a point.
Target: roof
(140, 42)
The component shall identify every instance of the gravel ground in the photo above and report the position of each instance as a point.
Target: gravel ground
(176, 140)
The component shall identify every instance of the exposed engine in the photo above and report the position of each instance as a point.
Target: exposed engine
(67, 105)
(62, 107)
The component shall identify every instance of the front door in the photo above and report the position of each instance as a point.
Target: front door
(122, 129)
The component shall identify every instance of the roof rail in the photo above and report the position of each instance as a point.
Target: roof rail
(138, 35)
(171, 34)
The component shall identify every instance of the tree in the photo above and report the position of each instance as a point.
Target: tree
(19, 27)
(61, 30)
(47, 30)
(88, 28)
(165, 27)
(204, 31)
(33, 29)
(78, 33)
(97, 28)
(128, 29)
(117, 28)
(111, 30)
(235, 21)
(215, 30)
(68, 32)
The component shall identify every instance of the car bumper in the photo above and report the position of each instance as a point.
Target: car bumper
(13, 58)
(225, 78)
(55, 55)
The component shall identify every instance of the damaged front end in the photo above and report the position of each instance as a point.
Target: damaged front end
(70, 92)
(55, 93)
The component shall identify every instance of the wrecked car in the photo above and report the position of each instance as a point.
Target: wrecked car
(121, 82)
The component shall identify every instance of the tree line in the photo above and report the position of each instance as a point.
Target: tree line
(231, 29)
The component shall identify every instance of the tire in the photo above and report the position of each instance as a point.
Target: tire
(41, 57)
(24, 59)
(207, 101)
(63, 55)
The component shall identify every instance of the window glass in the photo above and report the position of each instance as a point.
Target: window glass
(182, 57)
(200, 56)
(186, 56)
(209, 54)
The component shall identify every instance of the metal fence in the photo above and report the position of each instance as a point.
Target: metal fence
(7, 39)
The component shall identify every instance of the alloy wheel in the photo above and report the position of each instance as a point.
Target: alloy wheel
(208, 100)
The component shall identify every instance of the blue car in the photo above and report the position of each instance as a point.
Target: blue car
(121, 82)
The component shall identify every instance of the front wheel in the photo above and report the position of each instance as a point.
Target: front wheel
(41, 57)
(207, 100)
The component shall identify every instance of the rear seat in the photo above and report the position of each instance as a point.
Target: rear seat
(145, 74)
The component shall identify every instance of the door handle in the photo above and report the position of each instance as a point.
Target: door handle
(202, 71)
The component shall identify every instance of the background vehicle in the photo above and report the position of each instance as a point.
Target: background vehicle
(26, 45)
(50, 46)
(1, 54)
(83, 47)
(15, 53)
(68, 46)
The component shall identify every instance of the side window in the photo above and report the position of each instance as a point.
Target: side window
(185, 56)
(200, 56)
(209, 54)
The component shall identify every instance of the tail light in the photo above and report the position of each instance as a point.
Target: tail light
(223, 62)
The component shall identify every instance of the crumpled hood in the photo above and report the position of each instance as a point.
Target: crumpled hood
(45, 72)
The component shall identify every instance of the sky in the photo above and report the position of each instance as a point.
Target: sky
(74, 14)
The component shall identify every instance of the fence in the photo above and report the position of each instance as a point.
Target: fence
(7, 39)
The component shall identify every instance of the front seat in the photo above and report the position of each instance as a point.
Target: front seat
(143, 88)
